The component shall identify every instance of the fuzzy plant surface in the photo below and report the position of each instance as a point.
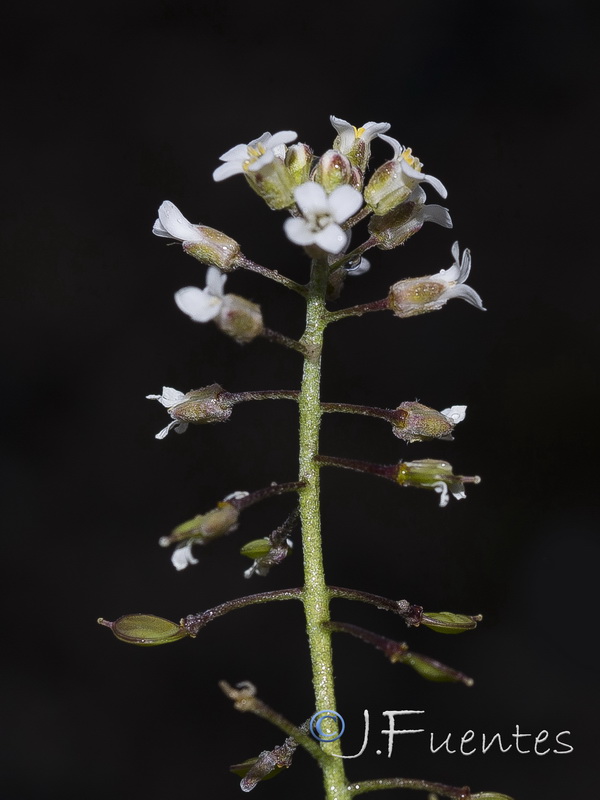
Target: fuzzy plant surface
(325, 198)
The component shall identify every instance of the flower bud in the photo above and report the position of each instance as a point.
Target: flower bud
(240, 318)
(204, 527)
(215, 249)
(417, 423)
(206, 244)
(393, 182)
(274, 183)
(201, 406)
(332, 170)
(145, 629)
(414, 296)
(429, 473)
(447, 622)
(395, 227)
(298, 160)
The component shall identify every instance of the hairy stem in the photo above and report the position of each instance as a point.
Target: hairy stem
(454, 792)
(272, 274)
(316, 593)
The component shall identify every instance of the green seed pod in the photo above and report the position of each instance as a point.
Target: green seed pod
(447, 622)
(145, 629)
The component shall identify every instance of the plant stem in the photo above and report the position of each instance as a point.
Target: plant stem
(285, 341)
(454, 792)
(316, 593)
(272, 274)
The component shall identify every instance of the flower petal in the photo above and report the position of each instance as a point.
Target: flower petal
(163, 433)
(200, 305)
(373, 129)
(396, 146)
(182, 557)
(239, 152)
(177, 226)
(455, 414)
(311, 199)
(464, 292)
(215, 281)
(227, 170)
(332, 239)
(345, 132)
(344, 202)
(298, 231)
(438, 214)
(283, 137)
(437, 185)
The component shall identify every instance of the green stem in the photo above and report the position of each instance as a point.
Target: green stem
(316, 593)
(454, 792)
(272, 274)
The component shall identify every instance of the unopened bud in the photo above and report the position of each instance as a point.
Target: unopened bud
(206, 244)
(145, 629)
(395, 227)
(240, 318)
(414, 296)
(215, 249)
(273, 182)
(393, 182)
(201, 406)
(204, 527)
(447, 622)
(417, 423)
(298, 160)
(429, 473)
(332, 170)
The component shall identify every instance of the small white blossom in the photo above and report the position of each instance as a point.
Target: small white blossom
(182, 557)
(411, 167)
(348, 134)
(442, 489)
(455, 414)
(202, 305)
(253, 156)
(322, 215)
(173, 225)
(169, 398)
(454, 279)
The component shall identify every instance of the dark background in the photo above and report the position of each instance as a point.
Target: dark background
(111, 108)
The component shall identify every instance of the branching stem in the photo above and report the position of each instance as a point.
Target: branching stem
(316, 593)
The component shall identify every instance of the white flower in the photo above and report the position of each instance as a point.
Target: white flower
(455, 414)
(253, 156)
(414, 296)
(202, 305)
(169, 398)
(454, 280)
(348, 134)
(173, 225)
(322, 215)
(410, 167)
(182, 557)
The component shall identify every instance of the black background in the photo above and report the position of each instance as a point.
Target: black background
(111, 108)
